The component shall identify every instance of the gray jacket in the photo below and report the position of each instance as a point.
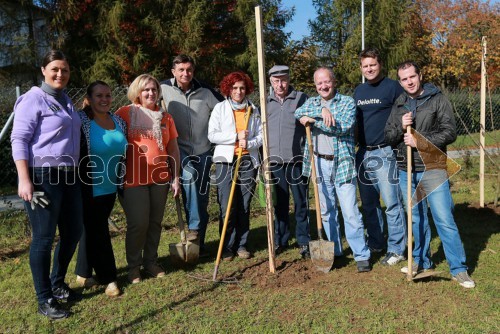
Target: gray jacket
(190, 112)
(286, 134)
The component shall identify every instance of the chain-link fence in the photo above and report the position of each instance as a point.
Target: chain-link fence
(466, 103)
(8, 98)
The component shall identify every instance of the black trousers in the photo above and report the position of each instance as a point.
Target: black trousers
(238, 225)
(286, 177)
(95, 252)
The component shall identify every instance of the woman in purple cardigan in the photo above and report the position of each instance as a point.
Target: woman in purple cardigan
(46, 150)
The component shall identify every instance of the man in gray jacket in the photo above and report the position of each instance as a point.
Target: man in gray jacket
(286, 143)
(190, 103)
(430, 117)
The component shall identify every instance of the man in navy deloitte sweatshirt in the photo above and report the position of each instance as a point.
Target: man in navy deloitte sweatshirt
(376, 162)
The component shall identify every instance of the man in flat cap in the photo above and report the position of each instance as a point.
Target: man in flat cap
(286, 144)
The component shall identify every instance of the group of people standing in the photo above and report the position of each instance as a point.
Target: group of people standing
(380, 113)
(71, 165)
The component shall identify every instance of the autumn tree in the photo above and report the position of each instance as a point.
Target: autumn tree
(303, 61)
(390, 25)
(455, 29)
(335, 24)
(117, 40)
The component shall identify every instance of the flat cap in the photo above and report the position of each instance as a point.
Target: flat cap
(278, 70)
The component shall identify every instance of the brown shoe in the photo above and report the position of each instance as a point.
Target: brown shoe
(134, 275)
(112, 290)
(155, 270)
(244, 254)
(85, 282)
(192, 235)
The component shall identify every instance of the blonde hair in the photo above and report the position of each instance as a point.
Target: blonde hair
(138, 85)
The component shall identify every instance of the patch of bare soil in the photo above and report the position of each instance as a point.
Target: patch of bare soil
(14, 251)
(288, 274)
(299, 273)
(487, 206)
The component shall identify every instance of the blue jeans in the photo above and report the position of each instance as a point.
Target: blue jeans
(195, 179)
(378, 177)
(285, 177)
(353, 221)
(436, 186)
(64, 212)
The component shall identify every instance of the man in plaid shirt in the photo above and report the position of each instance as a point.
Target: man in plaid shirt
(333, 117)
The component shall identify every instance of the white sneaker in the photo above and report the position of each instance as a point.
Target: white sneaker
(415, 267)
(464, 280)
(391, 259)
(85, 282)
(112, 290)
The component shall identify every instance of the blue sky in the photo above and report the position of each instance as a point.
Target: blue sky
(304, 11)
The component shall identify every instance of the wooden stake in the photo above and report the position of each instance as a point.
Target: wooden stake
(263, 117)
(482, 123)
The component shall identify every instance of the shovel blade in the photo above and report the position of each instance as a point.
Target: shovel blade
(424, 274)
(192, 252)
(322, 254)
(177, 253)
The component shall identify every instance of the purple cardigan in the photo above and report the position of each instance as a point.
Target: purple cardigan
(45, 134)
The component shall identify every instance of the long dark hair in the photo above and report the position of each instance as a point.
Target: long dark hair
(86, 101)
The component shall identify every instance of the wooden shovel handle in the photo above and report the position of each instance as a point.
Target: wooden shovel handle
(409, 159)
(314, 181)
(180, 220)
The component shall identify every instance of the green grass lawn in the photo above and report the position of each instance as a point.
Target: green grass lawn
(295, 299)
(491, 138)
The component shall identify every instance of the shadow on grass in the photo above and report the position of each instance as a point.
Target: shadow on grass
(16, 252)
(476, 226)
(123, 328)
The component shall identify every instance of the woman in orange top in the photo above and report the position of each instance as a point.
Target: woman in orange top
(152, 166)
(226, 129)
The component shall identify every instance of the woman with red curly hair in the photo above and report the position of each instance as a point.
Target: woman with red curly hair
(226, 129)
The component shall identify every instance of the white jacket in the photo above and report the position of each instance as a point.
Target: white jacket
(222, 132)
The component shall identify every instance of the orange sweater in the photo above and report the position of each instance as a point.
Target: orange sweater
(146, 163)
(239, 118)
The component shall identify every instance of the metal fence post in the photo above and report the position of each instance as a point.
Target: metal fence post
(7, 125)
